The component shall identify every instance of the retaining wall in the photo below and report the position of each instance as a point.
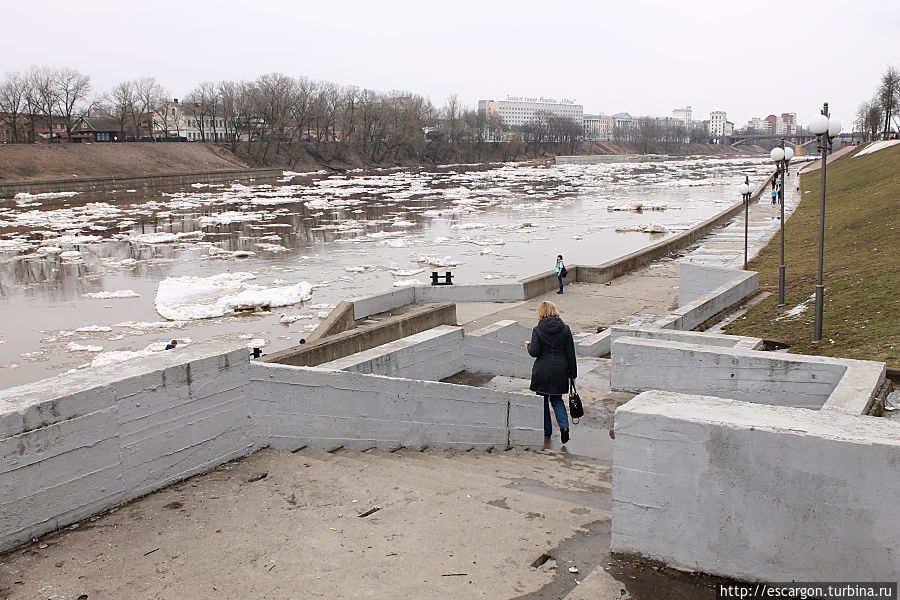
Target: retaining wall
(338, 320)
(696, 281)
(75, 445)
(8, 190)
(793, 380)
(430, 355)
(756, 492)
(300, 406)
(687, 337)
(709, 308)
(364, 337)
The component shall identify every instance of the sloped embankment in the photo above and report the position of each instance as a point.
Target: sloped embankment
(37, 162)
(861, 308)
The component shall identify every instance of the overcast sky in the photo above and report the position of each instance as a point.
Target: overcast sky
(746, 57)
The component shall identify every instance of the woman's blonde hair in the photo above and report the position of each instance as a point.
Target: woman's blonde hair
(547, 309)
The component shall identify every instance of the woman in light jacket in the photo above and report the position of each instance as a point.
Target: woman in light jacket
(553, 348)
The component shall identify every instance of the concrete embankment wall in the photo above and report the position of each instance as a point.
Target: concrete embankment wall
(299, 406)
(364, 337)
(755, 492)
(8, 190)
(75, 445)
(793, 380)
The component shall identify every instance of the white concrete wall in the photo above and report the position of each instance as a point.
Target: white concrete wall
(430, 355)
(379, 303)
(696, 281)
(75, 445)
(500, 292)
(687, 337)
(300, 406)
(699, 311)
(508, 331)
(483, 354)
(760, 377)
(756, 492)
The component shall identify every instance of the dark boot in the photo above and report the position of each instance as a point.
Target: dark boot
(564, 435)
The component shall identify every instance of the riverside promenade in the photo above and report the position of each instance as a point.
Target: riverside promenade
(349, 524)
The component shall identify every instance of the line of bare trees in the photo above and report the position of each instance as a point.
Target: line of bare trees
(878, 117)
(44, 97)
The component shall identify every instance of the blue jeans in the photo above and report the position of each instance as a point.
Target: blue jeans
(560, 280)
(559, 408)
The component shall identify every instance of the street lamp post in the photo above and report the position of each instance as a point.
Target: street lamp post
(826, 129)
(781, 156)
(746, 191)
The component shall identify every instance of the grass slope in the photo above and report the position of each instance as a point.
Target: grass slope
(862, 259)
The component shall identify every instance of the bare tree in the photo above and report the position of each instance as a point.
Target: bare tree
(869, 119)
(122, 99)
(888, 97)
(72, 90)
(45, 97)
(14, 92)
(149, 95)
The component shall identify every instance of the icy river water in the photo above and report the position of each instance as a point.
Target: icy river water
(94, 278)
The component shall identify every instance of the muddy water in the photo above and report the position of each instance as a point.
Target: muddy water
(347, 235)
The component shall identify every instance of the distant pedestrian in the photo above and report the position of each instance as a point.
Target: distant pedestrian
(561, 272)
(774, 196)
(553, 349)
(171, 345)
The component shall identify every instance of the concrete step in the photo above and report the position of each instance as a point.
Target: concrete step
(454, 478)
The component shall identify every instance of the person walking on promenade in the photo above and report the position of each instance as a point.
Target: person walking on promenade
(553, 349)
(561, 272)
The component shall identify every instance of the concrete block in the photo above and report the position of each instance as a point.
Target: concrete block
(687, 337)
(696, 281)
(503, 292)
(597, 344)
(755, 492)
(759, 377)
(506, 331)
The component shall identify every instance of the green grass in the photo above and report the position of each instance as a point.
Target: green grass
(862, 261)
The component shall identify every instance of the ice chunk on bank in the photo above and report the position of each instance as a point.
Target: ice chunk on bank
(188, 298)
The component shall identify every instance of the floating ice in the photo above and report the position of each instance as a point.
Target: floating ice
(70, 255)
(227, 217)
(109, 295)
(406, 273)
(188, 298)
(437, 261)
(44, 196)
(161, 237)
(271, 247)
(407, 282)
(76, 347)
(648, 228)
(93, 329)
(151, 325)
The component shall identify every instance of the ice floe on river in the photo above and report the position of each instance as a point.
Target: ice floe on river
(189, 298)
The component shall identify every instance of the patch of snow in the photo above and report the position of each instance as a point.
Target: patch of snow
(876, 146)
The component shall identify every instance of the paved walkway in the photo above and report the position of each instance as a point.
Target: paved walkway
(641, 297)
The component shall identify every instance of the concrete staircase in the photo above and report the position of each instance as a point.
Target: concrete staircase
(342, 524)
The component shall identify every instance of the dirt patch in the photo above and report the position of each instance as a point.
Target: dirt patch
(38, 162)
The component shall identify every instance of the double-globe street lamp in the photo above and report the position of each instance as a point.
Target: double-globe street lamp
(826, 129)
(781, 156)
(746, 191)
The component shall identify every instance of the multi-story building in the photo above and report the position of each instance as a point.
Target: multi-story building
(177, 119)
(757, 125)
(683, 114)
(599, 128)
(517, 111)
(717, 123)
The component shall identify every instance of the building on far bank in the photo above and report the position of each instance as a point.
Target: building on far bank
(516, 111)
(90, 129)
(683, 114)
(599, 128)
(719, 125)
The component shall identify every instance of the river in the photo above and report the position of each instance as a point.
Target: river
(79, 274)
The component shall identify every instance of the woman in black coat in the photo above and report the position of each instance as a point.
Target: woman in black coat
(553, 348)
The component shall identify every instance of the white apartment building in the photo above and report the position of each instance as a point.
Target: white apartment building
(517, 111)
(683, 114)
(177, 119)
(717, 123)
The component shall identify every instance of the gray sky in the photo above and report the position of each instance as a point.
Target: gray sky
(749, 58)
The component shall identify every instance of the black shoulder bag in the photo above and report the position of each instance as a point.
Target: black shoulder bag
(576, 410)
